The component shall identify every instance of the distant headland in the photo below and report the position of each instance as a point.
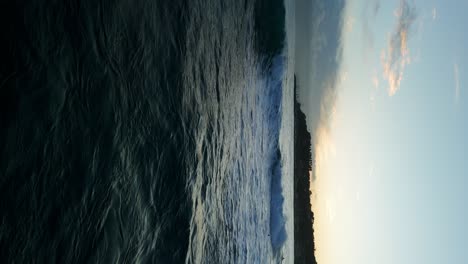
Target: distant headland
(304, 246)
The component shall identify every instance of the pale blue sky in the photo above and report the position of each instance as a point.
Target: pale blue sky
(393, 175)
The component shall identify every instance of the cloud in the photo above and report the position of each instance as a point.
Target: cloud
(369, 13)
(456, 76)
(319, 28)
(434, 13)
(375, 82)
(375, 86)
(331, 211)
(396, 56)
(349, 24)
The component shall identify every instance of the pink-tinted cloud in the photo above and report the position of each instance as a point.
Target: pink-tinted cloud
(397, 55)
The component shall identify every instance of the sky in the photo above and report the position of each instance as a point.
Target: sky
(388, 116)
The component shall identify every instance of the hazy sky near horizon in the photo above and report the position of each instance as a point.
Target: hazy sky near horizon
(391, 138)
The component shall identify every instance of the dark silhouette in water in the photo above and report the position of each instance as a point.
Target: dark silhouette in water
(304, 246)
(269, 28)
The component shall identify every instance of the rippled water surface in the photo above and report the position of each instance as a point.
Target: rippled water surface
(141, 132)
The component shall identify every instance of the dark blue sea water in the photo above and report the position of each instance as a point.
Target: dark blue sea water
(141, 132)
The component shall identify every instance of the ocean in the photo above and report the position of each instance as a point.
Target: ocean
(146, 132)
